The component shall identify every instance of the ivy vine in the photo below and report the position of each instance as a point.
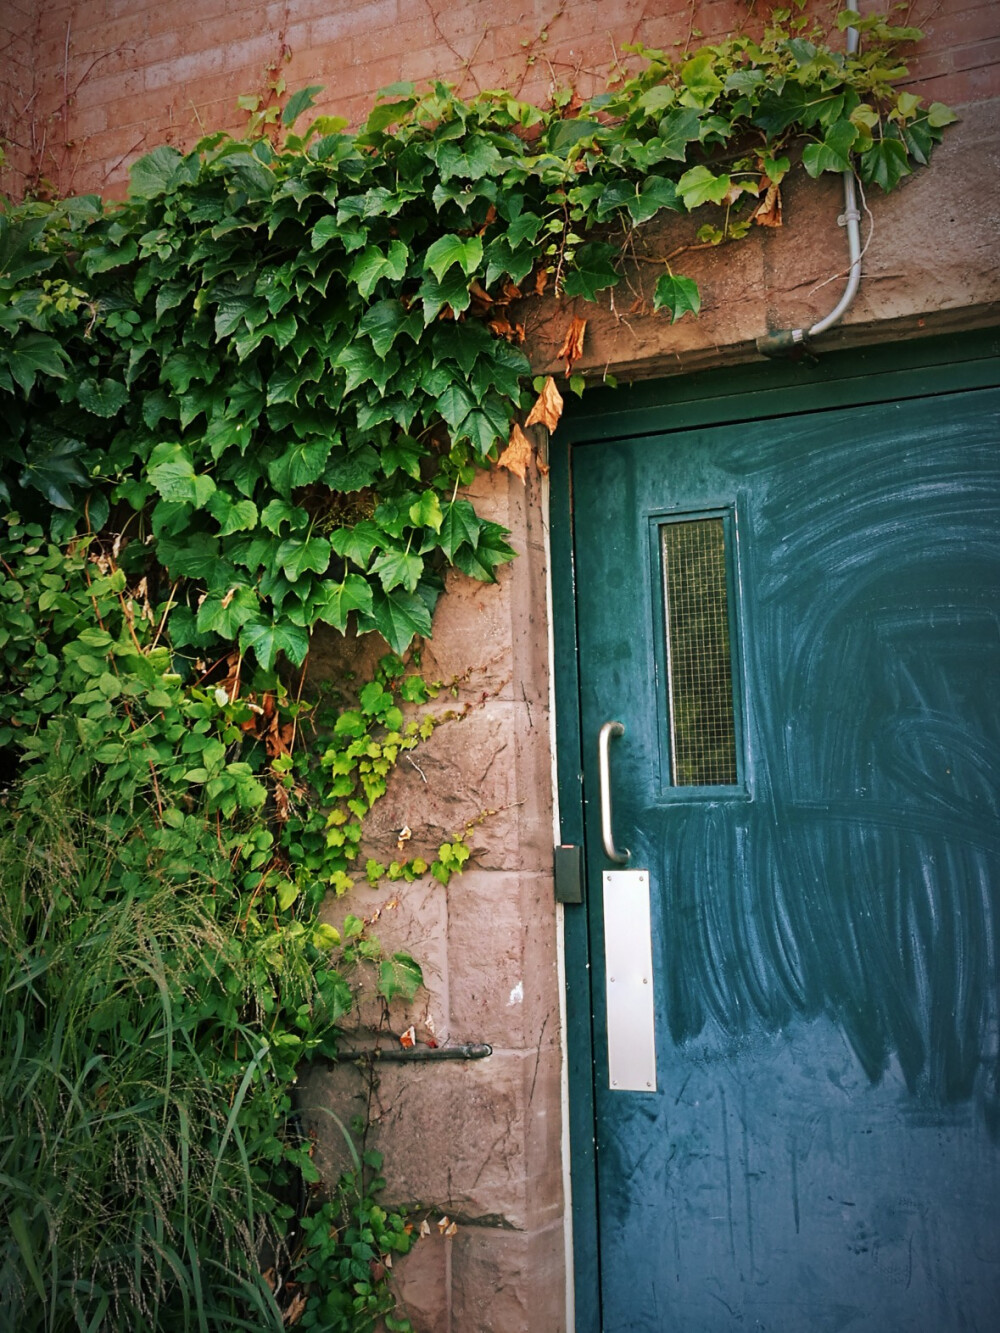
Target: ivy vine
(244, 403)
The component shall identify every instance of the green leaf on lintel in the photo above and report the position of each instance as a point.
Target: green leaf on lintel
(702, 186)
(939, 115)
(593, 270)
(678, 295)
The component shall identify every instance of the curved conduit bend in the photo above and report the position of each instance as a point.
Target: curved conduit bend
(785, 341)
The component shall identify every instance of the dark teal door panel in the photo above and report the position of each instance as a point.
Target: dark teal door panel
(822, 1148)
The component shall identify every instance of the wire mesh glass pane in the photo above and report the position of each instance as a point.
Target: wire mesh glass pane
(699, 664)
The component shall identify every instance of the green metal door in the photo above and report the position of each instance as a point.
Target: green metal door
(796, 620)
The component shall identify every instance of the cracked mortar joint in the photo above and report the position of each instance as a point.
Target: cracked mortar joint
(517, 994)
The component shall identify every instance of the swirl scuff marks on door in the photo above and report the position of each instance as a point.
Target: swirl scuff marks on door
(861, 882)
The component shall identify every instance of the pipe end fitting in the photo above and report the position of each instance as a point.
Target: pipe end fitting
(783, 343)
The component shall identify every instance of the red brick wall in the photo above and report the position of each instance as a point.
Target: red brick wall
(88, 85)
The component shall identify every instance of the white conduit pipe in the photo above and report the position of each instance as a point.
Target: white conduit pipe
(786, 340)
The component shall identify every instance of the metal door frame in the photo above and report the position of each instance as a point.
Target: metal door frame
(925, 368)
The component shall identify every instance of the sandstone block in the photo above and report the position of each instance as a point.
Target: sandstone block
(508, 1282)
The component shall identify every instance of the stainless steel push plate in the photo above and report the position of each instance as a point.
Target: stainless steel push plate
(628, 958)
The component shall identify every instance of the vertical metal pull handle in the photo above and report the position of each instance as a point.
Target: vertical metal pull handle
(604, 775)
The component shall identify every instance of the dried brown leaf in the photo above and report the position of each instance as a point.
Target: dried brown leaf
(768, 212)
(409, 1038)
(572, 345)
(296, 1309)
(548, 407)
(516, 457)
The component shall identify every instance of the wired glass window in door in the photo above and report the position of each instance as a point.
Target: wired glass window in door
(702, 721)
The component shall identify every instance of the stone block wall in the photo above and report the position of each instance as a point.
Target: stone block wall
(478, 1141)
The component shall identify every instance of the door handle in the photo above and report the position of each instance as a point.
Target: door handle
(604, 777)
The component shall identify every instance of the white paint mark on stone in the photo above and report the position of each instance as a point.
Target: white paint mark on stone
(517, 994)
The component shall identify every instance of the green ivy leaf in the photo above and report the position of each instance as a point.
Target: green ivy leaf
(299, 102)
(296, 555)
(471, 160)
(698, 76)
(102, 398)
(155, 173)
(676, 294)
(223, 613)
(702, 186)
(372, 265)
(459, 527)
(324, 231)
(489, 422)
(399, 977)
(593, 269)
(402, 454)
(356, 544)
(453, 292)
(277, 512)
(426, 512)
(399, 616)
(398, 568)
(833, 154)
(338, 600)
(300, 465)
(53, 467)
(490, 551)
(351, 470)
(679, 128)
(232, 515)
(885, 164)
(268, 638)
(35, 354)
(451, 250)
(363, 364)
(939, 115)
(455, 404)
(173, 474)
(386, 320)
(657, 192)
